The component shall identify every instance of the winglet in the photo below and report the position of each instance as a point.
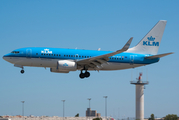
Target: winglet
(126, 46)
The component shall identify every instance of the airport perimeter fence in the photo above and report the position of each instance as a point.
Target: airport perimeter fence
(129, 118)
(56, 118)
(66, 118)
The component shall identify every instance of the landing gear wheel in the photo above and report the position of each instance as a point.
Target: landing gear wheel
(22, 71)
(87, 74)
(82, 75)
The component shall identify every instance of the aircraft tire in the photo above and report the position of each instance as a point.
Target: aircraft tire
(82, 75)
(22, 71)
(87, 74)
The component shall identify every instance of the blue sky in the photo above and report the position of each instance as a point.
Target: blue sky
(90, 24)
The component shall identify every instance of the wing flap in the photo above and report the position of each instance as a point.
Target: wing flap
(102, 61)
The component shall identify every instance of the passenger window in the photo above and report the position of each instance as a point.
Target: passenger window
(49, 54)
(54, 54)
(64, 55)
(57, 54)
(36, 53)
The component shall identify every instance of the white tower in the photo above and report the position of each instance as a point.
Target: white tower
(139, 97)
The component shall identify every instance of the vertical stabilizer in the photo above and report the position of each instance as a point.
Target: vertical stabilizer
(151, 42)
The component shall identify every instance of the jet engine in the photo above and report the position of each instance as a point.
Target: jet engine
(64, 66)
(58, 71)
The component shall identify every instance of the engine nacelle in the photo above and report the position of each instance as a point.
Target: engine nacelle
(66, 65)
(58, 71)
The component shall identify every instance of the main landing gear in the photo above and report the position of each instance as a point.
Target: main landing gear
(83, 75)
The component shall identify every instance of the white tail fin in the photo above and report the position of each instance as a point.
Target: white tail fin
(151, 42)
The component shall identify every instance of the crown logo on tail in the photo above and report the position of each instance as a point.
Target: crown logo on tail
(151, 38)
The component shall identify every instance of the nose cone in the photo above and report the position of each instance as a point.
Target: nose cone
(5, 57)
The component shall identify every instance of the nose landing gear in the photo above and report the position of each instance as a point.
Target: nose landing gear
(83, 75)
(22, 71)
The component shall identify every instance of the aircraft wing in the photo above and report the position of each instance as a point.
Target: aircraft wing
(158, 56)
(98, 60)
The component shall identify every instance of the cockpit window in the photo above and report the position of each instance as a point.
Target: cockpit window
(15, 52)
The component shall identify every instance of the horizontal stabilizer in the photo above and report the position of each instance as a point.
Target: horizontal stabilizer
(158, 56)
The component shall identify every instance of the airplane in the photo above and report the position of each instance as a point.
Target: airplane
(61, 60)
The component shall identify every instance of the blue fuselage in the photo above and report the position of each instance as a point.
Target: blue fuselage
(74, 55)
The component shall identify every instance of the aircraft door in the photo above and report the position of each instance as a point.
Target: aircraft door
(28, 53)
(132, 59)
